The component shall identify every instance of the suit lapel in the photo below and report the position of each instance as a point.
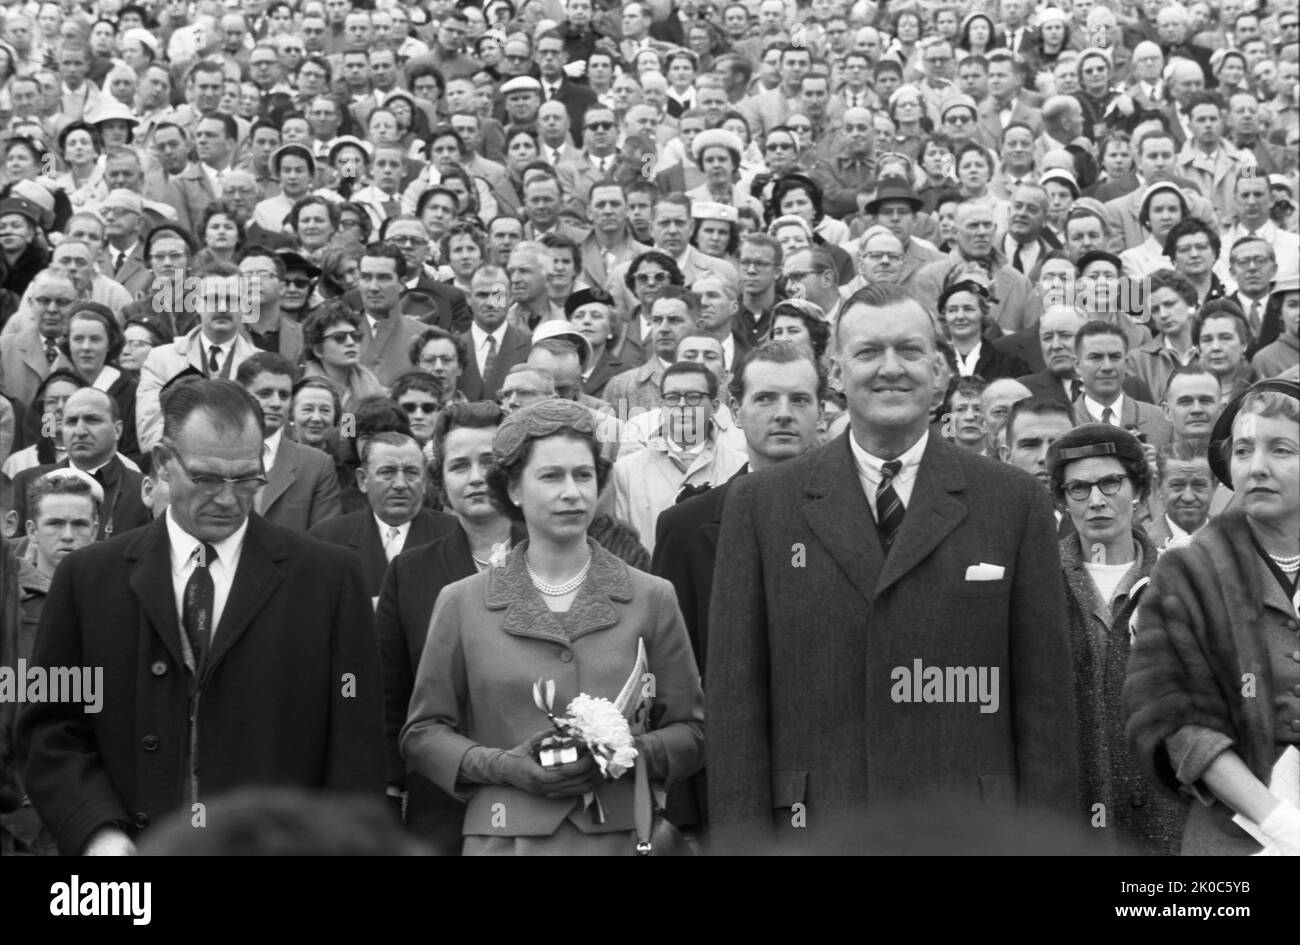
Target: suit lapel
(151, 581)
(840, 517)
(931, 515)
(256, 579)
(281, 476)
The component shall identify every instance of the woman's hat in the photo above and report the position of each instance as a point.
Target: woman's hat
(1093, 439)
(593, 295)
(965, 284)
(716, 138)
(706, 210)
(542, 419)
(110, 109)
(286, 150)
(1221, 436)
(1061, 177)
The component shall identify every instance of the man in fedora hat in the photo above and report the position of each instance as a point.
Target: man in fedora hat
(895, 206)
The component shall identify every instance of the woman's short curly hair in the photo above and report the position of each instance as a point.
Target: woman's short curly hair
(478, 415)
(313, 332)
(513, 445)
(789, 183)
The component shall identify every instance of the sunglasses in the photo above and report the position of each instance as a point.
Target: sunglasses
(600, 126)
(424, 408)
(297, 282)
(651, 278)
(344, 336)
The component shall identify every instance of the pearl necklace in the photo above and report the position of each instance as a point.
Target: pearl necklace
(558, 590)
(1287, 564)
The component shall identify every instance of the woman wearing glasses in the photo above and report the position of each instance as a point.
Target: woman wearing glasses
(332, 350)
(1211, 695)
(559, 608)
(1099, 476)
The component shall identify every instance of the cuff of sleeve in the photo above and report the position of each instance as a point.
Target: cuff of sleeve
(1191, 750)
(477, 766)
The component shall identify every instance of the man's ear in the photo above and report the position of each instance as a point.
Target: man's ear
(9, 524)
(361, 478)
(160, 456)
(1004, 452)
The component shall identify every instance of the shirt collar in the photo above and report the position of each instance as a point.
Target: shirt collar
(384, 527)
(1176, 533)
(1095, 409)
(871, 466)
(271, 448)
(480, 336)
(183, 544)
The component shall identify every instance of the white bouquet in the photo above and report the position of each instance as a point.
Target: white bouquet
(589, 722)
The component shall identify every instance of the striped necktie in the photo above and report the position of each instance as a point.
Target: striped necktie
(889, 507)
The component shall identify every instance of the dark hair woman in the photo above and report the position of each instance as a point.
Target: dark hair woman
(92, 343)
(1210, 695)
(558, 600)
(460, 457)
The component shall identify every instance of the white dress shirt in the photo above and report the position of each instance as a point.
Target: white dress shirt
(392, 545)
(480, 337)
(183, 548)
(870, 469)
(271, 449)
(1096, 409)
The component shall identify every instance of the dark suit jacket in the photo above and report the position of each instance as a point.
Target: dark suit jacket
(576, 99)
(123, 508)
(135, 275)
(811, 625)
(514, 350)
(410, 589)
(452, 307)
(195, 193)
(1024, 345)
(258, 235)
(357, 530)
(993, 364)
(607, 365)
(302, 489)
(273, 699)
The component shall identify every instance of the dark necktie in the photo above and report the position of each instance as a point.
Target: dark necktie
(214, 361)
(1075, 387)
(1108, 416)
(51, 351)
(889, 507)
(392, 208)
(121, 261)
(490, 359)
(1016, 261)
(197, 604)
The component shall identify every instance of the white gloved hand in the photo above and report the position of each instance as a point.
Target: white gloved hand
(1282, 827)
(576, 69)
(109, 841)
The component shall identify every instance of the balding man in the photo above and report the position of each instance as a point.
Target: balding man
(92, 428)
(847, 168)
(900, 539)
(1062, 124)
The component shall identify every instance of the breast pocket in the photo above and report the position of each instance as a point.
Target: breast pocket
(982, 589)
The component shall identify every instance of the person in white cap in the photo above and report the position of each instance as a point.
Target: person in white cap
(717, 152)
(523, 97)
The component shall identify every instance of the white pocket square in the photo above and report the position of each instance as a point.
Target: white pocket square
(985, 572)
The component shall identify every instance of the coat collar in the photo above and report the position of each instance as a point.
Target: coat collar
(841, 518)
(510, 588)
(1085, 591)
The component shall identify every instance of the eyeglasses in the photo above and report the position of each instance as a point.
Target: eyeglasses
(1251, 262)
(801, 273)
(168, 257)
(958, 119)
(406, 240)
(779, 146)
(691, 398)
(350, 225)
(46, 301)
(651, 278)
(210, 485)
(857, 127)
(344, 336)
(938, 60)
(297, 282)
(1080, 490)
(424, 408)
(519, 393)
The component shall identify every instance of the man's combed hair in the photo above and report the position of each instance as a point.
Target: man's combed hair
(774, 352)
(230, 408)
(59, 482)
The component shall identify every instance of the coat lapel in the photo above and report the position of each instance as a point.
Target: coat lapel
(281, 476)
(151, 581)
(256, 578)
(931, 515)
(841, 518)
(527, 615)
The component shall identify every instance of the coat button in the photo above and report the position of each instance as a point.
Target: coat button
(1296, 656)
(158, 668)
(566, 657)
(1137, 799)
(141, 819)
(150, 742)
(1295, 725)
(1296, 689)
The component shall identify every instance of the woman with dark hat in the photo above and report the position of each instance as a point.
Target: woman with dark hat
(1099, 476)
(564, 612)
(1213, 689)
(968, 326)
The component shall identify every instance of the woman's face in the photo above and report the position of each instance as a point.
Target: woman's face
(88, 343)
(341, 347)
(797, 203)
(295, 176)
(650, 280)
(792, 238)
(1059, 201)
(1099, 519)
(445, 152)
(973, 172)
(936, 161)
(556, 490)
(681, 74)
(792, 328)
(1232, 72)
(1118, 159)
(220, 233)
(346, 275)
(138, 344)
(466, 459)
(717, 165)
(79, 148)
(1053, 33)
(457, 187)
(520, 151)
(962, 316)
(1165, 211)
(426, 87)
(713, 236)
(313, 415)
(908, 28)
(907, 109)
(1266, 467)
(737, 126)
(314, 227)
(20, 164)
(979, 32)
(463, 255)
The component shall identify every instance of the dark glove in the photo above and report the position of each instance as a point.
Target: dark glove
(518, 768)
